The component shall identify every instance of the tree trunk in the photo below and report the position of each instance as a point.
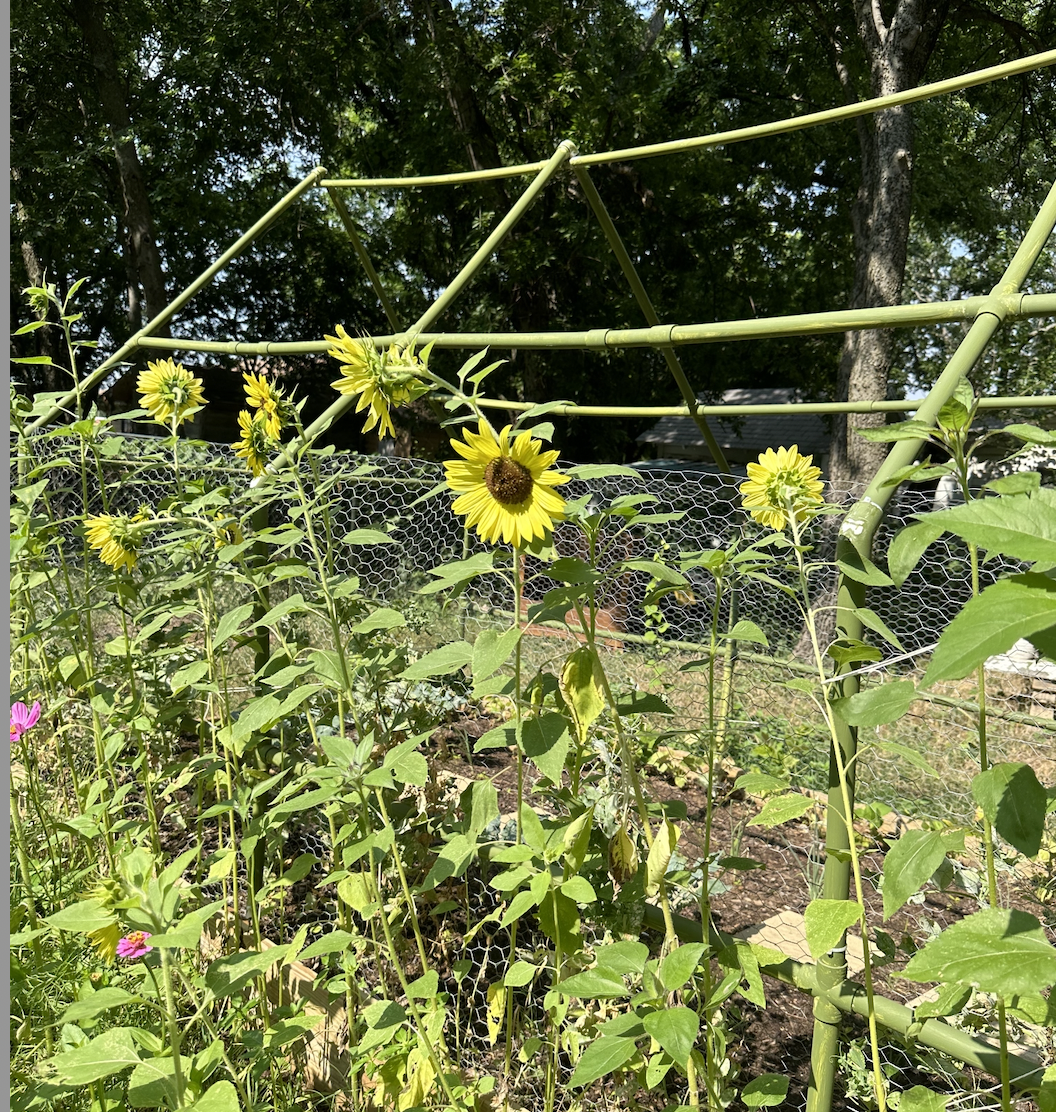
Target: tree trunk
(142, 252)
(897, 53)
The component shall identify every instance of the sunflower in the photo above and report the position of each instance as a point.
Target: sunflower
(781, 485)
(505, 488)
(115, 538)
(225, 530)
(268, 398)
(256, 445)
(381, 379)
(169, 392)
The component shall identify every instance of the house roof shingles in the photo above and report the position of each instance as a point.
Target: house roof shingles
(754, 433)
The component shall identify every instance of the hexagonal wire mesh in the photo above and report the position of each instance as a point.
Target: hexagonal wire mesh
(387, 493)
(641, 643)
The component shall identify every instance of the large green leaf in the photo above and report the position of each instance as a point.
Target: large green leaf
(825, 922)
(625, 956)
(908, 546)
(992, 623)
(382, 618)
(440, 662)
(97, 1002)
(1014, 802)
(675, 1029)
(765, 1091)
(226, 975)
(83, 916)
(108, 1053)
(221, 1097)
(602, 1057)
(153, 1083)
(594, 983)
(679, 965)
(876, 706)
(187, 932)
(920, 1099)
(1021, 526)
(782, 808)
(581, 689)
(546, 743)
(997, 950)
(335, 942)
(908, 865)
(492, 649)
(660, 855)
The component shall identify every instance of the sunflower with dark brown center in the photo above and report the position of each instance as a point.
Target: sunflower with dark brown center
(505, 488)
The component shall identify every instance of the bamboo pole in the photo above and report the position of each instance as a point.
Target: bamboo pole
(630, 272)
(722, 138)
(1021, 307)
(361, 253)
(134, 342)
(828, 116)
(855, 542)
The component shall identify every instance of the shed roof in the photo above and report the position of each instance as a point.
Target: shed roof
(753, 433)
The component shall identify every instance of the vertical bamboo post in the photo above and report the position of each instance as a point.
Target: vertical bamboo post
(855, 541)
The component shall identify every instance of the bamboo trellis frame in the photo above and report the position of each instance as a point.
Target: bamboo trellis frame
(833, 993)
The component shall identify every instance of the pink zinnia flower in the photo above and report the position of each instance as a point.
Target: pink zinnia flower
(23, 718)
(134, 945)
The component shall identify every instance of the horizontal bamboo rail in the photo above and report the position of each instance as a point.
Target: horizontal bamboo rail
(849, 998)
(722, 138)
(1020, 307)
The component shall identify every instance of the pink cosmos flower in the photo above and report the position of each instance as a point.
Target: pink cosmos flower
(23, 718)
(134, 946)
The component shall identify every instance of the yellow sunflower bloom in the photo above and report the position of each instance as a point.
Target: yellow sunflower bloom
(169, 392)
(380, 379)
(256, 445)
(781, 485)
(268, 398)
(505, 488)
(115, 538)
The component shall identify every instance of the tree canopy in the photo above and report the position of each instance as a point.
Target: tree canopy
(226, 106)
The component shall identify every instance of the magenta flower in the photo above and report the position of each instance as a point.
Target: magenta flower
(134, 946)
(23, 718)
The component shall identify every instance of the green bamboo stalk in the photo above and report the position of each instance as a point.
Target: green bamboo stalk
(444, 301)
(133, 343)
(361, 253)
(630, 272)
(855, 541)
(435, 179)
(828, 116)
(723, 138)
(1020, 307)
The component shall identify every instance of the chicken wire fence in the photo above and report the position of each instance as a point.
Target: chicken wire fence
(645, 648)
(648, 643)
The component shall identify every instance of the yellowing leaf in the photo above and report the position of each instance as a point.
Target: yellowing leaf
(623, 857)
(496, 1010)
(659, 855)
(581, 690)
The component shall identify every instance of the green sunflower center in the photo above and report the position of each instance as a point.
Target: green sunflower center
(787, 487)
(508, 481)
